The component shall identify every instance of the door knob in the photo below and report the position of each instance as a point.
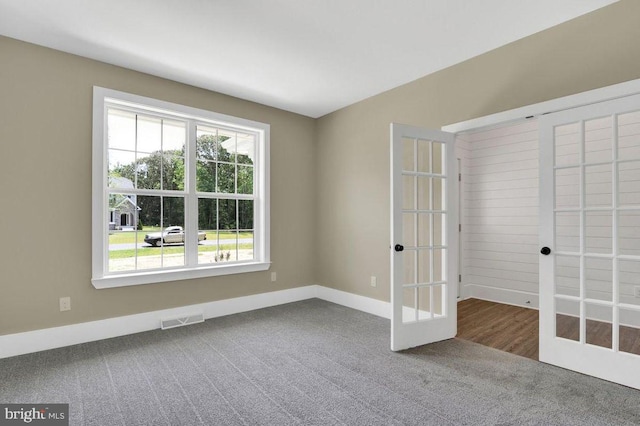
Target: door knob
(545, 251)
(399, 247)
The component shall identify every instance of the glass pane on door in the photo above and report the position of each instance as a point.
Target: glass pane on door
(567, 144)
(567, 184)
(629, 232)
(425, 303)
(567, 276)
(439, 262)
(409, 304)
(438, 158)
(424, 266)
(568, 319)
(629, 135)
(599, 232)
(424, 193)
(630, 331)
(629, 183)
(439, 229)
(408, 192)
(409, 262)
(408, 157)
(424, 156)
(567, 231)
(598, 186)
(598, 279)
(409, 229)
(438, 201)
(439, 300)
(598, 140)
(599, 325)
(629, 282)
(424, 229)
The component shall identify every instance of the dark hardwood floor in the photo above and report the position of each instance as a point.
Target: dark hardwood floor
(514, 329)
(505, 327)
(599, 334)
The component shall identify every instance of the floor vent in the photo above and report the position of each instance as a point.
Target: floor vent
(181, 320)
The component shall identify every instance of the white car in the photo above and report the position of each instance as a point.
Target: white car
(171, 235)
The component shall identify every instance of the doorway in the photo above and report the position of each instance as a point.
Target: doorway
(500, 236)
(553, 212)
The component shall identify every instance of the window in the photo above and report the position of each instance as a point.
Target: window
(178, 192)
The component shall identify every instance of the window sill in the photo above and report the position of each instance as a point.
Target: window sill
(152, 277)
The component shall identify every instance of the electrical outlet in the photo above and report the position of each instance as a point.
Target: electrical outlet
(636, 291)
(65, 304)
(374, 281)
(273, 277)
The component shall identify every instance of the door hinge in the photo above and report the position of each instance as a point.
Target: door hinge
(459, 177)
(459, 278)
(459, 227)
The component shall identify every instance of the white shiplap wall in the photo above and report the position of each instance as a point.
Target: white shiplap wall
(500, 213)
(500, 209)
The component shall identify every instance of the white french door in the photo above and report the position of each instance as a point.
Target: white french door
(424, 223)
(590, 230)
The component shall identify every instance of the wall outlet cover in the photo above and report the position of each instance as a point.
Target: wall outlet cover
(65, 304)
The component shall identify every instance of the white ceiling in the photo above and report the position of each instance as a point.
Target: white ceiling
(305, 56)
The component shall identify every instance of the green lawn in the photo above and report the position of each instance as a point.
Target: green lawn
(155, 251)
(129, 237)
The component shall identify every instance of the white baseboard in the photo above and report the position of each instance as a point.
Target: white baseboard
(501, 295)
(631, 318)
(350, 300)
(57, 337)
(465, 292)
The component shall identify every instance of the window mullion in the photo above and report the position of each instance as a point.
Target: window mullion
(191, 202)
(261, 196)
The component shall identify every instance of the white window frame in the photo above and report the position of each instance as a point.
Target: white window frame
(101, 278)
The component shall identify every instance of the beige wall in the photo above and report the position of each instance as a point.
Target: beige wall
(45, 172)
(592, 51)
(330, 177)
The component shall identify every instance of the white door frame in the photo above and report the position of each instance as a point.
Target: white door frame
(459, 230)
(615, 91)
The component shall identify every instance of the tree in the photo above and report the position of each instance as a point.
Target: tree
(215, 173)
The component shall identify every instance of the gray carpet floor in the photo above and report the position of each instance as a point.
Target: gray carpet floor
(306, 363)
